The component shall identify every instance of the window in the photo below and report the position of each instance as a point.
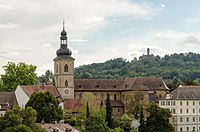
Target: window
(163, 102)
(199, 119)
(181, 103)
(187, 111)
(56, 68)
(193, 119)
(193, 110)
(181, 129)
(187, 103)
(193, 102)
(115, 97)
(181, 119)
(80, 96)
(181, 111)
(187, 119)
(173, 111)
(193, 129)
(118, 110)
(187, 128)
(66, 83)
(66, 68)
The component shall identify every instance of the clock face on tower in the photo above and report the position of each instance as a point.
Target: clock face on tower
(66, 91)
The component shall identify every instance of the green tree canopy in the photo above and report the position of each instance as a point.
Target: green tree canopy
(109, 119)
(158, 119)
(47, 107)
(47, 78)
(17, 74)
(96, 124)
(22, 120)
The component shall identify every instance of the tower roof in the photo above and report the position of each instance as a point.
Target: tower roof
(63, 33)
(64, 50)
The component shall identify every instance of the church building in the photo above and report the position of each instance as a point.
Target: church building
(121, 91)
(70, 91)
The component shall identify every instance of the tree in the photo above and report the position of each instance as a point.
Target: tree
(142, 121)
(124, 122)
(48, 78)
(91, 99)
(18, 119)
(134, 106)
(158, 119)
(109, 119)
(88, 111)
(47, 107)
(96, 124)
(18, 74)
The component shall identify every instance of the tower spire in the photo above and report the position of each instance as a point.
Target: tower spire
(63, 24)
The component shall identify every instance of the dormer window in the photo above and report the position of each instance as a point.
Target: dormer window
(79, 86)
(97, 86)
(160, 84)
(144, 84)
(126, 86)
(114, 86)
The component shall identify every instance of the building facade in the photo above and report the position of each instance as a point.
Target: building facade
(184, 104)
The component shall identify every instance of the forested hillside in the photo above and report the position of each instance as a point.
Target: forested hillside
(175, 69)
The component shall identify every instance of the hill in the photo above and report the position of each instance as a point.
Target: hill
(175, 69)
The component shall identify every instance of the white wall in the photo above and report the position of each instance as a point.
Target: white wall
(21, 96)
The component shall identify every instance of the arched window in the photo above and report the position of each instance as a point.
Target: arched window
(56, 68)
(66, 68)
(66, 83)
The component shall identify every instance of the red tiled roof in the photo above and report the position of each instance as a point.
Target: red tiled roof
(149, 83)
(29, 90)
(72, 105)
(8, 98)
(186, 92)
(145, 83)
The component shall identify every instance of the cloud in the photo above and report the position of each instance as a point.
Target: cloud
(5, 7)
(8, 26)
(192, 40)
(128, 30)
(162, 5)
(78, 40)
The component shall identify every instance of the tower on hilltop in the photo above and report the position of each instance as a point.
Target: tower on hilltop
(64, 68)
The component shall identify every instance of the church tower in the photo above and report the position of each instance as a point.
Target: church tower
(64, 68)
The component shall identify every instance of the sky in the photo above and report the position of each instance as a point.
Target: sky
(98, 30)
